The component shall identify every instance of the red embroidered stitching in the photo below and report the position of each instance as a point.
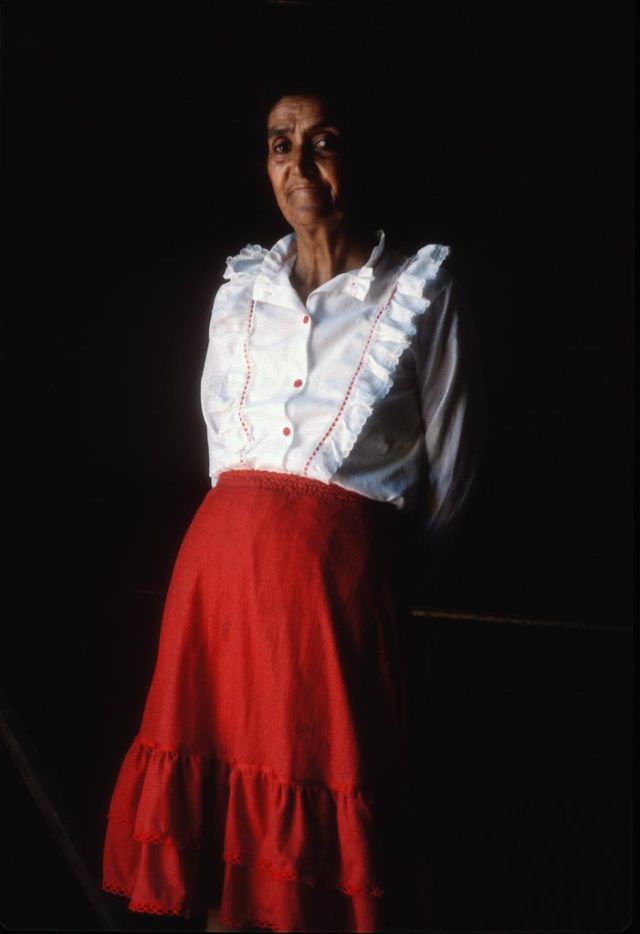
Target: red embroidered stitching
(245, 389)
(290, 875)
(349, 788)
(291, 484)
(338, 416)
(145, 907)
(162, 747)
(375, 890)
(229, 922)
(155, 838)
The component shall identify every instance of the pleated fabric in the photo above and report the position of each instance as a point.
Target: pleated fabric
(269, 776)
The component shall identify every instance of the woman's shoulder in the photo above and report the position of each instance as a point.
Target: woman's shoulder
(240, 273)
(245, 263)
(423, 273)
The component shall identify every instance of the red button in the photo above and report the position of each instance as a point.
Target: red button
(286, 431)
(297, 383)
(305, 320)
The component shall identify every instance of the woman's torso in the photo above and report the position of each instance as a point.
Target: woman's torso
(328, 388)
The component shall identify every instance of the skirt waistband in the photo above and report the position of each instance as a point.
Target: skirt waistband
(291, 483)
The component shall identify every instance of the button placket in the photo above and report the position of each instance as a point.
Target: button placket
(298, 382)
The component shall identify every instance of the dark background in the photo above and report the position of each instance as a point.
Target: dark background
(501, 129)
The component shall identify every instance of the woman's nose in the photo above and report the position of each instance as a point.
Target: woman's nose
(304, 161)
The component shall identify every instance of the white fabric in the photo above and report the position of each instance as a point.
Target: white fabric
(363, 385)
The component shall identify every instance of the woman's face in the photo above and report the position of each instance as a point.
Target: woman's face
(305, 161)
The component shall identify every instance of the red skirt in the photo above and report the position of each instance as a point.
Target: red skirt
(269, 778)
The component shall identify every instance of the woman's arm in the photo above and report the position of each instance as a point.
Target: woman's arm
(453, 411)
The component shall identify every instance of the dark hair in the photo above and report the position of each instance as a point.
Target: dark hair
(332, 93)
(299, 86)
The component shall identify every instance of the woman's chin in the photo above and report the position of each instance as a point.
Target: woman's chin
(311, 214)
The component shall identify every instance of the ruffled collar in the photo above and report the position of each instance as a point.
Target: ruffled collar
(273, 285)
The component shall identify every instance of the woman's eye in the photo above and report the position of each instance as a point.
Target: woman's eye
(326, 142)
(321, 143)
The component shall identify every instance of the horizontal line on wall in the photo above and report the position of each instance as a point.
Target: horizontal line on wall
(518, 620)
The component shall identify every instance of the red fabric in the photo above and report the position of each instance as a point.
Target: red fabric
(268, 777)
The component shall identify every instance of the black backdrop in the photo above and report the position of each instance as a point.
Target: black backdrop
(505, 131)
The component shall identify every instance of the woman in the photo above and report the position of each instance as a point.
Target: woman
(269, 782)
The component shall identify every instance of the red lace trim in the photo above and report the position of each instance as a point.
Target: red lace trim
(352, 383)
(289, 483)
(290, 875)
(155, 838)
(282, 875)
(251, 922)
(145, 907)
(247, 381)
(349, 788)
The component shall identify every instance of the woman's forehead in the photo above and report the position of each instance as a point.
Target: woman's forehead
(291, 111)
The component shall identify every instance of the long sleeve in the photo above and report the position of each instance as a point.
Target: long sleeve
(453, 411)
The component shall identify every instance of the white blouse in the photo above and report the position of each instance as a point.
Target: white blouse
(365, 385)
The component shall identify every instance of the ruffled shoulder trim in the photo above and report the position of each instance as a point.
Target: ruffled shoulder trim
(422, 270)
(247, 261)
(392, 327)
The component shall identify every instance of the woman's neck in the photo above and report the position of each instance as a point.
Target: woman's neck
(323, 253)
